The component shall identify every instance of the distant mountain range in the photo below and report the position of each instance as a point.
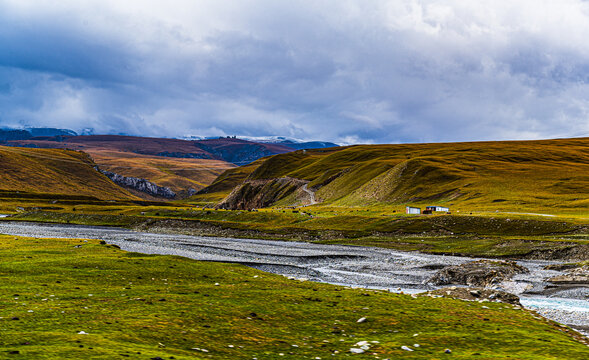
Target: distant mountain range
(182, 166)
(231, 149)
(293, 143)
(27, 133)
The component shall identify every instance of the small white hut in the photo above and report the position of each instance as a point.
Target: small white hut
(412, 210)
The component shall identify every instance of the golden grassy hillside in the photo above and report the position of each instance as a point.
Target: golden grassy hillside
(55, 171)
(179, 174)
(547, 175)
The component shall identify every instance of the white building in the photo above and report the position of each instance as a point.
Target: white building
(412, 210)
(437, 208)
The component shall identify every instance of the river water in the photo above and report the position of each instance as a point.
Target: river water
(355, 266)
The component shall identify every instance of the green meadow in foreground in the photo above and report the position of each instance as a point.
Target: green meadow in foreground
(77, 299)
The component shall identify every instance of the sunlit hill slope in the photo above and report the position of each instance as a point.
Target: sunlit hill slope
(505, 175)
(181, 165)
(179, 174)
(55, 171)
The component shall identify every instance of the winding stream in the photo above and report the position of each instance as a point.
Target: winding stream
(365, 267)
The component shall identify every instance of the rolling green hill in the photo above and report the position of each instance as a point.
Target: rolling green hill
(546, 175)
(56, 172)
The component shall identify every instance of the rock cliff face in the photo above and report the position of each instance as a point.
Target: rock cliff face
(140, 185)
(253, 194)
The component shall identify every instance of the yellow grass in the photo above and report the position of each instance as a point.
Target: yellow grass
(548, 176)
(176, 173)
(55, 171)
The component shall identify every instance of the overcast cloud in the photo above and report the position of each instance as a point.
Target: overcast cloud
(346, 71)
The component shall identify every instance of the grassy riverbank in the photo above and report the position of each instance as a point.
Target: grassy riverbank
(75, 299)
(483, 234)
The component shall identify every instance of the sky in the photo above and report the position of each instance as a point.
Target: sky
(347, 71)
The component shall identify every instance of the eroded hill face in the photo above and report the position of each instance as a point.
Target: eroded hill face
(55, 171)
(513, 176)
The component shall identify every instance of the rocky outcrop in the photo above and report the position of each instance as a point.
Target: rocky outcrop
(481, 273)
(140, 184)
(253, 194)
(475, 294)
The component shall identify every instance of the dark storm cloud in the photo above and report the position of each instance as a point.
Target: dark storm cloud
(345, 71)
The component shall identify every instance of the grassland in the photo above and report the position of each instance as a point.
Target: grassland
(79, 299)
(510, 176)
(491, 235)
(222, 186)
(76, 299)
(179, 174)
(178, 164)
(508, 199)
(54, 172)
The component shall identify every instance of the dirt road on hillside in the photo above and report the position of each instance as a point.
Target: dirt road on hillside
(311, 193)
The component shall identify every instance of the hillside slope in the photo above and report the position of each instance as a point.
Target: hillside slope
(505, 175)
(176, 164)
(180, 175)
(55, 171)
(181, 165)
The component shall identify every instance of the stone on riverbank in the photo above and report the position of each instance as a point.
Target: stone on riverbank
(481, 273)
(579, 275)
(475, 294)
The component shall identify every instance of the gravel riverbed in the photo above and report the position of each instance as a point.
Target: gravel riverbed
(365, 267)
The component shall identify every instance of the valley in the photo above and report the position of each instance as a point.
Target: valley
(333, 215)
(265, 180)
(184, 176)
(182, 166)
